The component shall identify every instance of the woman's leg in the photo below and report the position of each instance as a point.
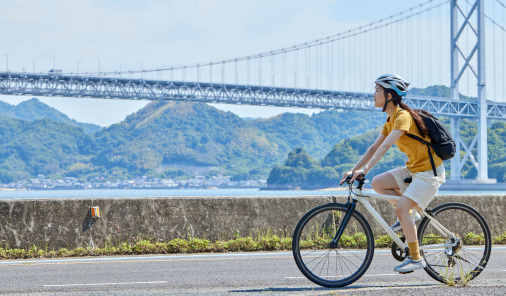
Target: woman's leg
(402, 209)
(385, 184)
(415, 260)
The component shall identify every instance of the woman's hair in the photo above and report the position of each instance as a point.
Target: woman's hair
(397, 100)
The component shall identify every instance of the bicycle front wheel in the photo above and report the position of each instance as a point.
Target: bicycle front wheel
(465, 261)
(332, 266)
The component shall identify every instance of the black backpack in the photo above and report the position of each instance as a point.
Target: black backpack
(442, 141)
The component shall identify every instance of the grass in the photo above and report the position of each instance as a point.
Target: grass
(451, 280)
(261, 242)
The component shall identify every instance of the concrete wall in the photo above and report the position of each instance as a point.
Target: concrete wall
(66, 222)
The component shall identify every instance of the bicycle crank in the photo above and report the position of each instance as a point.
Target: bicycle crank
(397, 252)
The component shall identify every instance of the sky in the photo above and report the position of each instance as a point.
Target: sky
(150, 34)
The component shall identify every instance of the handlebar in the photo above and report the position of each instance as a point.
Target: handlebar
(360, 178)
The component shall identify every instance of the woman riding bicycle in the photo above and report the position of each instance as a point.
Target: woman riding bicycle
(390, 89)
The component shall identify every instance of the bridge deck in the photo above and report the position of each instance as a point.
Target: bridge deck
(138, 89)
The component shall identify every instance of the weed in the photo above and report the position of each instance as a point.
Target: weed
(500, 239)
(263, 240)
(473, 239)
(384, 241)
(455, 275)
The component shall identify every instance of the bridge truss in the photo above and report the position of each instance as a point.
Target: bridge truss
(156, 90)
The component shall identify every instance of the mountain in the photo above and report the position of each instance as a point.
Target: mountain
(346, 153)
(43, 146)
(301, 171)
(436, 91)
(34, 109)
(250, 118)
(318, 133)
(169, 134)
(185, 139)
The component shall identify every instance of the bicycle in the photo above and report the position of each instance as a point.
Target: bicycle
(340, 231)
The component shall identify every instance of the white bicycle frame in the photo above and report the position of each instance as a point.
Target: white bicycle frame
(362, 198)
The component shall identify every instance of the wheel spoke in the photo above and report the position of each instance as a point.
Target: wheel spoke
(315, 257)
(344, 258)
(312, 251)
(433, 254)
(353, 254)
(467, 254)
(470, 227)
(323, 265)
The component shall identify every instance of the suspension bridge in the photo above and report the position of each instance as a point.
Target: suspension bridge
(332, 72)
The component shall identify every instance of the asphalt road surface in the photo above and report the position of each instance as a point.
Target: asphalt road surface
(272, 273)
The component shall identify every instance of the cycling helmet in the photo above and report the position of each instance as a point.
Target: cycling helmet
(395, 82)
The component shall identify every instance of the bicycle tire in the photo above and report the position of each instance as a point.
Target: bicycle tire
(305, 238)
(470, 257)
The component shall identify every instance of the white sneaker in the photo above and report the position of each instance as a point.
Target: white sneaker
(397, 225)
(409, 265)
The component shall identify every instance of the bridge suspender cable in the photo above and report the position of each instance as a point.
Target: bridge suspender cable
(344, 35)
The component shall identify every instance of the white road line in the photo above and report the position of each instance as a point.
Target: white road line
(211, 255)
(104, 284)
(133, 257)
(383, 274)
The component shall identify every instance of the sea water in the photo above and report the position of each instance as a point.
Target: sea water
(98, 193)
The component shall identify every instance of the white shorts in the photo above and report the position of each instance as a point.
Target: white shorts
(424, 186)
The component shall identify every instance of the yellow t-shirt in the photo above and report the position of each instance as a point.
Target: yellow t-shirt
(418, 156)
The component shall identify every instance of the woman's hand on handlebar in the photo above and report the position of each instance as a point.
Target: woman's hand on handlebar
(357, 173)
(345, 176)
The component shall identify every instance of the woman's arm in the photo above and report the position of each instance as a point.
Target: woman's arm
(370, 152)
(366, 157)
(378, 154)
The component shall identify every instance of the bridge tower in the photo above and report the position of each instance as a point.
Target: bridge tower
(456, 72)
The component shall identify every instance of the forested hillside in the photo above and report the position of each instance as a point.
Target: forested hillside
(28, 148)
(318, 133)
(178, 139)
(191, 135)
(300, 170)
(34, 109)
(165, 139)
(295, 171)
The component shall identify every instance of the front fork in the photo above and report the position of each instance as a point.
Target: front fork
(350, 207)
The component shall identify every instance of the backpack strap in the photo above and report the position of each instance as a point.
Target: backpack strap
(398, 112)
(391, 117)
(428, 148)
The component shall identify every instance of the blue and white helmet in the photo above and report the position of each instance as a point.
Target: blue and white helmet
(395, 82)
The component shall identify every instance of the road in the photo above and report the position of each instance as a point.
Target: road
(241, 274)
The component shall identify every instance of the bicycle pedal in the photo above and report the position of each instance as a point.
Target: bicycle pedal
(406, 272)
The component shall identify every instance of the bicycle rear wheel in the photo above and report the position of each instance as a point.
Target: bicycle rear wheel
(323, 264)
(468, 259)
